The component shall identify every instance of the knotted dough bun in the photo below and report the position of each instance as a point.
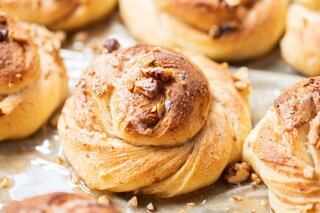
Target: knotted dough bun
(284, 149)
(300, 47)
(33, 81)
(227, 30)
(59, 14)
(151, 119)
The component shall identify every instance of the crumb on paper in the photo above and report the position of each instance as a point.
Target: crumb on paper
(5, 183)
(183, 211)
(133, 202)
(104, 199)
(252, 211)
(238, 172)
(236, 198)
(191, 204)
(151, 207)
(241, 79)
(204, 201)
(255, 180)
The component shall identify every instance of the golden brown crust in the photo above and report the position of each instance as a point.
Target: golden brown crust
(166, 137)
(284, 149)
(33, 78)
(18, 56)
(311, 4)
(59, 203)
(204, 14)
(57, 14)
(224, 30)
(158, 97)
(300, 47)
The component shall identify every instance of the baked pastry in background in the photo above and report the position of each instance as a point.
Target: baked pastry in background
(227, 30)
(59, 14)
(154, 120)
(284, 149)
(300, 46)
(312, 4)
(33, 81)
(60, 202)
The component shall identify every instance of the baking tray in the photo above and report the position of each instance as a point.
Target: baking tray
(36, 165)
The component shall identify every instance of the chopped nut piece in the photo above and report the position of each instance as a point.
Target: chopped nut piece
(104, 199)
(255, 180)
(18, 75)
(238, 172)
(182, 77)
(204, 202)
(130, 85)
(5, 183)
(236, 198)
(157, 73)
(191, 204)
(154, 108)
(160, 109)
(151, 207)
(111, 45)
(133, 202)
(147, 87)
(3, 34)
(241, 79)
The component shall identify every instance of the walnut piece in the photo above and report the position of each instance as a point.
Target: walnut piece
(238, 172)
(133, 202)
(148, 87)
(111, 45)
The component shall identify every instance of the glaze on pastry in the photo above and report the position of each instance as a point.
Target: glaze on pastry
(151, 119)
(59, 14)
(60, 202)
(33, 80)
(228, 30)
(284, 149)
(300, 46)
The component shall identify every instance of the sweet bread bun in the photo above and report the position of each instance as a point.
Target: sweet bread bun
(312, 4)
(225, 30)
(300, 46)
(60, 202)
(59, 15)
(154, 120)
(284, 149)
(33, 81)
